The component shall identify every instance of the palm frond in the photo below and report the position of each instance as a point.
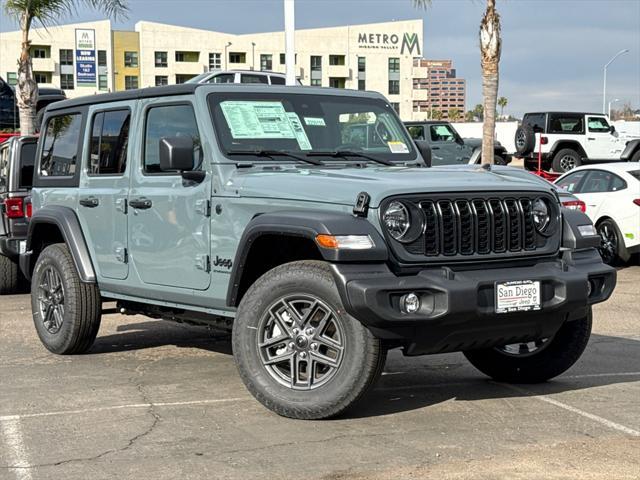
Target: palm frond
(48, 12)
(421, 3)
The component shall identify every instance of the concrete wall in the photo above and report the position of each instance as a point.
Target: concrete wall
(124, 42)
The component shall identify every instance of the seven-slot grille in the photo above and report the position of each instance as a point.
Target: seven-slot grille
(475, 227)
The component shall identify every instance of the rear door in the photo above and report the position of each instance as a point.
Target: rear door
(594, 191)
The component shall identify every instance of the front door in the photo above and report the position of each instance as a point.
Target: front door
(601, 143)
(104, 186)
(445, 147)
(169, 224)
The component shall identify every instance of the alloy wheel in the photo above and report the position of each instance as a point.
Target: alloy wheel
(609, 244)
(521, 140)
(51, 300)
(567, 162)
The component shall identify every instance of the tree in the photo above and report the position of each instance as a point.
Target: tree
(490, 49)
(478, 111)
(454, 114)
(502, 102)
(43, 12)
(436, 114)
(469, 116)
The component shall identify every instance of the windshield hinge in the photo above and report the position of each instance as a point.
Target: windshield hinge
(361, 208)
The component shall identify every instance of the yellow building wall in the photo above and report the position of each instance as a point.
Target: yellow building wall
(124, 42)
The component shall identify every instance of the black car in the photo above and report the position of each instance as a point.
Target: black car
(9, 116)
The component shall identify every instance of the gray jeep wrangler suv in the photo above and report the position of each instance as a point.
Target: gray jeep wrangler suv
(256, 209)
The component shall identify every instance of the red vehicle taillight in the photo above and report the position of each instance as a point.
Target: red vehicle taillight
(637, 201)
(14, 208)
(575, 205)
(544, 140)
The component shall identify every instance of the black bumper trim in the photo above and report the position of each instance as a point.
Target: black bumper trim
(9, 246)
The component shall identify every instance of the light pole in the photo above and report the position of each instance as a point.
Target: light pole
(226, 57)
(609, 110)
(604, 86)
(289, 41)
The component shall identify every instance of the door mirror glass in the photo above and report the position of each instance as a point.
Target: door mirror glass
(612, 129)
(176, 154)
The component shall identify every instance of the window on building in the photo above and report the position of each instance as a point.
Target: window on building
(161, 60)
(131, 59)
(336, 82)
(237, 57)
(362, 64)
(66, 56)
(130, 82)
(66, 81)
(60, 146)
(283, 58)
(396, 107)
(40, 51)
(102, 58)
(162, 80)
(394, 65)
(109, 141)
(12, 78)
(266, 62)
(103, 83)
(316, 82)
(336, 59)
(215, 61)
(316, 63)
(394, 87)
(183, 77)
(362, 84)
(42, 77)
(169, 121)
(182, 56)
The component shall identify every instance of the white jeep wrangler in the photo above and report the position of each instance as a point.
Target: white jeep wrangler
(568, 139)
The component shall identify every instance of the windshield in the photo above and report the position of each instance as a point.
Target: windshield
(308, 124)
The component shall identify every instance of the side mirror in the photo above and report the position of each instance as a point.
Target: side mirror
(425, 151)
(176, 154)
(612, 129)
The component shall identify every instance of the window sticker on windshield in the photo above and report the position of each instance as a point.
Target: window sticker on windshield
(315, 121)
(257, 120)
(398, 147)
(298, 130)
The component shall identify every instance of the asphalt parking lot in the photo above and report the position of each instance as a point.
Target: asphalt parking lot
(156, 400)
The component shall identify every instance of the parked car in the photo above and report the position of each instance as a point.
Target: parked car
(611, 194)
(241, 76)
(449, 148)
(246, 209)
(16, 173)
(9, 117)
(569, 139)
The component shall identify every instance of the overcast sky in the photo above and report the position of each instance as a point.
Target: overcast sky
(552, 55)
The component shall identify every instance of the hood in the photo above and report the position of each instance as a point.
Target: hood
(477, 142)
(342, 185)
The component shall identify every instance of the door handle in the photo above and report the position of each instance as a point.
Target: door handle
(89, 202)
(435, 148)
(141, 203)
(590, 138)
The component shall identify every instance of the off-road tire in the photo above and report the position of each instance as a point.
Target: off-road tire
(9, 276)
(562, 351)
(81, 302)
(363, 356)
(525, 139)
(559, 160)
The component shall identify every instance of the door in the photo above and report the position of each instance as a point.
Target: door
(445, 147)
(104, 186)
(594, 191)
(169, 224)
(601, 143)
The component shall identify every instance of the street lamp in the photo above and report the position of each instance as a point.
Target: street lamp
(226, 57)
(604, 87)
(612, 101)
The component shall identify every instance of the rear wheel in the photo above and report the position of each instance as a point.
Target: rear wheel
(9, 276)
(536, 361)
(565, 160)
(66, 312)
(298, 352)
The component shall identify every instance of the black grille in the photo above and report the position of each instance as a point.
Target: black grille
(475, 227)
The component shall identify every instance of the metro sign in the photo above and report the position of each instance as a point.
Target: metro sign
(384, 41)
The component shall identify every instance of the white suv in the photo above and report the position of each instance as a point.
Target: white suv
(567, 140)
(241, 76)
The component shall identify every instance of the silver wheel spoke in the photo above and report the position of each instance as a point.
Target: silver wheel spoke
(323, 359)
(278, 359)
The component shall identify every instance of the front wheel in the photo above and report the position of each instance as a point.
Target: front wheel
(298, 351)
(536, 361)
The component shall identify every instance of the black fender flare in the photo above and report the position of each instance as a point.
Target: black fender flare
(66, 220)
(307, 224)
(560, 144)
(632, 147)
(572, 238)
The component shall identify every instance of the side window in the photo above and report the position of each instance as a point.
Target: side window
(277, 80)
(442, 133)
(566, 123)
(27, 160)
(536, 121)
(169, 121)
(617, 184)
(248, 78)
(109, 141)
(597, 182)
(60, 146)
(598, 125)
(4, 168)
(571, 182)
(222, 78)
(416, 132)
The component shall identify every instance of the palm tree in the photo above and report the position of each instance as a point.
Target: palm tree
(454, 114)
(490, 49)
(436, 114)
(502, 102)
(43, 12)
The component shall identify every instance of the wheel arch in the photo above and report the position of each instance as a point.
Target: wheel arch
(572, 144)
(630, 149)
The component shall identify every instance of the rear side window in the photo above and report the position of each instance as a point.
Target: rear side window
(536, 121)
(635, 173)
(4, 168)
(109, 141)
(169, 121)
(248, 78)
(60, 146)
(566, 123)
(27, 160)
(277, 81)
(600, 181)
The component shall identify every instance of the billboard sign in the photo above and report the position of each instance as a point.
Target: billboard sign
(86, 57)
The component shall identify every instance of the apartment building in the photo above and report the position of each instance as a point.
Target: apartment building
(446, 93)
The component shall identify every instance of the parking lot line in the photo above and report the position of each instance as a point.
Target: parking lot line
(18, 458)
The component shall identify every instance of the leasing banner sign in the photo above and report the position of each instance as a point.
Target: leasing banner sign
(85, 57)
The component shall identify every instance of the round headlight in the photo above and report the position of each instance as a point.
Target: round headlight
(540, 214)
(397, 220)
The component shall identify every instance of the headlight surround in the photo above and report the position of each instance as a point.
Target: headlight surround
(403, 221)
(541, 214)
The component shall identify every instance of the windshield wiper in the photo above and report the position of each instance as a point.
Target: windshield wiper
(275, 153)
(347, 154)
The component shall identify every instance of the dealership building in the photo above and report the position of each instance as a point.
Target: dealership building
(91, 57)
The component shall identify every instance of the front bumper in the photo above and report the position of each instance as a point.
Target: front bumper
(458, 311)
(10, 246)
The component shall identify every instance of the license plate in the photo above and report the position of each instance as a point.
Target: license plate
(518, 296)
